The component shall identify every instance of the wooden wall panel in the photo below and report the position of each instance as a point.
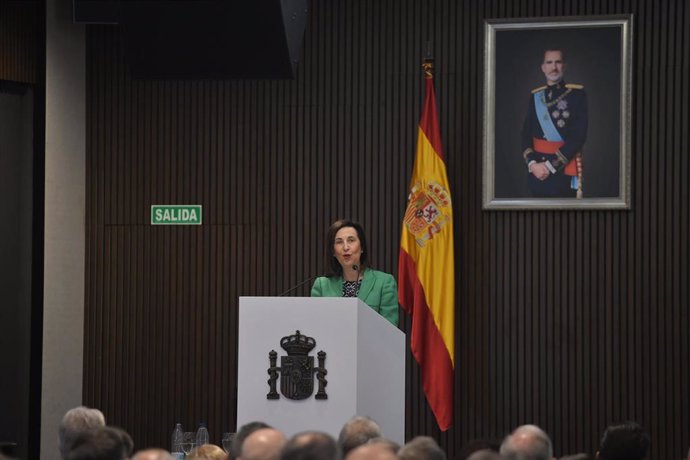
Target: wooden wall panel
(567, 319)
(20, 32)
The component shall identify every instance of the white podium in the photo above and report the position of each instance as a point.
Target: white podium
(365, 363)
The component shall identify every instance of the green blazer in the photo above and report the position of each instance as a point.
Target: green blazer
(378, 290)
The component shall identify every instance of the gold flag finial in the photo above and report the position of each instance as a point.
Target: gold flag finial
(428, 66)
(428, 62)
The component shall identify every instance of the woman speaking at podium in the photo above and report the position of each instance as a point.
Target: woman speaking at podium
(349, 274)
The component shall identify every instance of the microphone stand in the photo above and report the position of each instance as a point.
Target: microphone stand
(299, 285)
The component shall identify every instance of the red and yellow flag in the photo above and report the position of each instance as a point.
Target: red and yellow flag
(426, 273)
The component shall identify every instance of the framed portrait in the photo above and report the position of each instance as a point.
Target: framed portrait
(557, 101)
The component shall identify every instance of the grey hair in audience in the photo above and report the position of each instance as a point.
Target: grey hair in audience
(375, 449)
(527, 442)
(421, 448)
(76, 422)
(357, 431)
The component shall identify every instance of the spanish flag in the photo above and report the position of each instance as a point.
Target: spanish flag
(426, 273)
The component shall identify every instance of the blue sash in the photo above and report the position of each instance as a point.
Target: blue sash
(544, 117)
(550, 131)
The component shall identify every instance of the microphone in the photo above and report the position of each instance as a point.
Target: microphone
(299, 285)
(355, 268)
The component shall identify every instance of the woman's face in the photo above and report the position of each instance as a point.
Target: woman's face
(346, 247)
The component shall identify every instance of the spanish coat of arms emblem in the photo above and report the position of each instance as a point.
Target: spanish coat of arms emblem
(425, 214)
(297, 369)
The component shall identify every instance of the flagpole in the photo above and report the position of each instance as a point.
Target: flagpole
(426, 272)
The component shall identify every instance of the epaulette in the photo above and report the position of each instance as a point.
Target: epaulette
(574, 86)
(536, 90)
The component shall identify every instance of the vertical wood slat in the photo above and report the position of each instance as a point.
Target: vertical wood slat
(274, 162)
(20, 25)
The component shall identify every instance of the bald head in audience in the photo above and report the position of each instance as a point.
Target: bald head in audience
(263, 444)
(311, 445)
(244, 431)
(153, 454)
(527, 442)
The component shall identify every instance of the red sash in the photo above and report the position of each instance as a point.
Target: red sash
(550, 148)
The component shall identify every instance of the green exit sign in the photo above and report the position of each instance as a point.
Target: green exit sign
(176, 214)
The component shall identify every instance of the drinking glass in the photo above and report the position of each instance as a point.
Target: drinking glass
(227, 441)
(188, 441)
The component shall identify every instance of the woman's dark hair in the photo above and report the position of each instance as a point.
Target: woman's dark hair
(332, 264)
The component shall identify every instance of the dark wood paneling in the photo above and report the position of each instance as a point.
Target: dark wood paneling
(20, 26)
(567, 319)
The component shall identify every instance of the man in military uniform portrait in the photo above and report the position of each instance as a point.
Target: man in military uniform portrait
(554, 133)
(556, 120)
